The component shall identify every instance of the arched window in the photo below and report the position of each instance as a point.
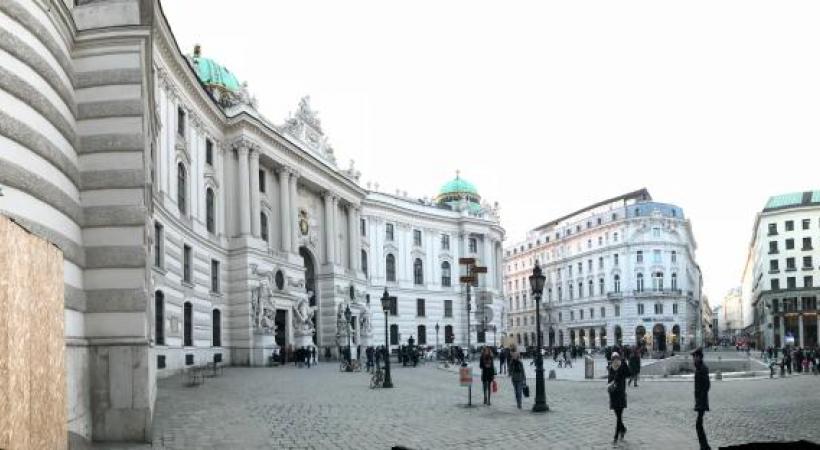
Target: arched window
(394, 334)
(263, 228)
(422, 331)
(445, 274)
(601, 286)
(364, 262)
(617, 282)
(449, 337)
(418, 272)
(591, 288)
(188, 325)
(182, 187)
(210, 208)
(159, 318)
(674, 281)
(657, 281)
(639, 281)
(217, 328)
(390, 262)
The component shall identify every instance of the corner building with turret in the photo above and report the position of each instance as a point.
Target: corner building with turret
(196, 230)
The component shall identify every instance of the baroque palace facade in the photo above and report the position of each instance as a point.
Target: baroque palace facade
(621, 271)
(193, 228)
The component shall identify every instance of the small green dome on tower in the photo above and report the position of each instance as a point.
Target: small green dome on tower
(459, 190)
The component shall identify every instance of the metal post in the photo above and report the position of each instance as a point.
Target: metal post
(540, 404)
(469, 358)
(388, 382)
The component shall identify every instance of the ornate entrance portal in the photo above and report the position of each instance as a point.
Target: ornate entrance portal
(310, 288)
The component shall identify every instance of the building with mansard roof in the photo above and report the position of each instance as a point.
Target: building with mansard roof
(621, 271)
(194, 229)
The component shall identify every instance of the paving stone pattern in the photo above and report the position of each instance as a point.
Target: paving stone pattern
(321, 408)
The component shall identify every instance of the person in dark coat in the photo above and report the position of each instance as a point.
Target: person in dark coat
(702, 385)
(487, 365)
(635, 366)
(518, 376)
(618, 373)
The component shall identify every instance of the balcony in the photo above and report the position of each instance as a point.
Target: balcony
(615, 295)
(659, 293)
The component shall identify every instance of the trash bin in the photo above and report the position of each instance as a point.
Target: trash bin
(589, 367)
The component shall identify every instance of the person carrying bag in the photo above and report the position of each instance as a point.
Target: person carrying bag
(519, 378)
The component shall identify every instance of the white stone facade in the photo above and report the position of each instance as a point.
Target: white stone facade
(780, 280)
(612, 268)
(194, 229)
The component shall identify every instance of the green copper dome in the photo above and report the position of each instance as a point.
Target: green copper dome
(212, 74)
(458, 185)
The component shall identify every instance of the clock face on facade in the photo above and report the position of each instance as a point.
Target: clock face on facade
(304, 227)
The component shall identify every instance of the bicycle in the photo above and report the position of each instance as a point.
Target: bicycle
(377, 380)
(352, 366)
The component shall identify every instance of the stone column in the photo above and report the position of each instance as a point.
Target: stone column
(334, 238)
(294, 210)
(254, 201)
(284, 207)
(330, 255)
(782, 331)
(357, 238)
(244, 191)
(487, 261)
(800, 329)
(222, 207)
(351, 236)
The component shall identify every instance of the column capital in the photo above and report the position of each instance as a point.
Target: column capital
(245, 144)
(282, 169)
(254, 153)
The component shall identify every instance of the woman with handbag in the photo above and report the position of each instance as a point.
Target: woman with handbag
(519, 378)
(487, 373)
(618, 373)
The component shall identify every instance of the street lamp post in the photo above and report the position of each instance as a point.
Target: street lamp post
(387, 302)
(437, 340)
(537, 284)
(349, 352)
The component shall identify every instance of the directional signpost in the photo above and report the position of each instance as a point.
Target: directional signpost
(469, 280)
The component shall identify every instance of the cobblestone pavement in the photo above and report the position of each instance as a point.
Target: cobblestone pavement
(322, 408)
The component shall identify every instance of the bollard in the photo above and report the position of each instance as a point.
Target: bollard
(552, 374)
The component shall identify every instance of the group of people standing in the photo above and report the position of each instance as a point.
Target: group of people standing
(798, 359)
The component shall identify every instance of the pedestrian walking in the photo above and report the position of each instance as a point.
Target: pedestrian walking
(487, 366)
(618, 373)
(634, 366)
(502, 360)
(518, 377)
(702, 385)
(313, 354)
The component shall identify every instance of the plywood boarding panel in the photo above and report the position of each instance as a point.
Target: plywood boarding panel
(32, 358)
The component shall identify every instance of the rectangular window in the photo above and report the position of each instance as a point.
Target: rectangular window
(448, 308)
(789, 244)
(572, 315)
(158, 245)
(775, 284)
(214, 275)
(807, 262)
(420, 307)
(581, 314)
(388, 231)
(261, 180)
(363, 227)
(656, 256)
(674, 256)
(806, 243)
(639, 257)
(180, 121)
(615, 260)
(789, 225)
(774, 266)
(603, 312)
(394, 307)
(417, 238)
(658, 308)
(600, 262)
(445, 242)
(591, 313)
(806, 224)
(209, 152)
(772, 229)
(791, 283)
(790, 265)
(580, 268)
(473, 243)
(674, 308)
(617, 310)
(640, 309)
(808, 281)
(186, 263)
(589, 265)
(772, 247)
(656, 232)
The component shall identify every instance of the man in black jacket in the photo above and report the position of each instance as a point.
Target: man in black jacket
(702, 385)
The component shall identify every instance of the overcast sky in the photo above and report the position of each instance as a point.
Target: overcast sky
(547, 107)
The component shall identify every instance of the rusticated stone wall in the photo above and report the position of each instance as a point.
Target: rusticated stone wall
(32, 348)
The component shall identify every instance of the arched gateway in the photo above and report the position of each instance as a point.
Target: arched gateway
(310, 287)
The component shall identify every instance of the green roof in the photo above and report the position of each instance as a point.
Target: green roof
(793, 199)
(210, 73)
(458, 185)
